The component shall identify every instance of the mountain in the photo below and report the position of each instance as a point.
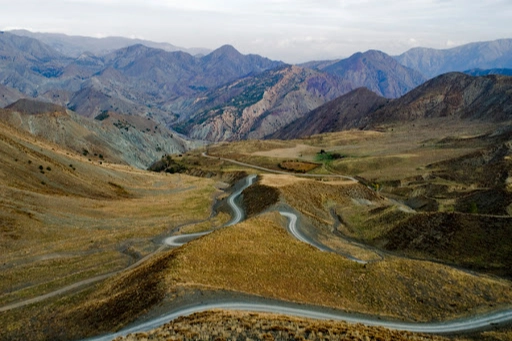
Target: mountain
(342, 113)
(483, 55)
(74, 46)
(378, 72)
(256, 106)
(26, 64)
(136, 80)
(480, 72)
(117, 138)
(457, 95)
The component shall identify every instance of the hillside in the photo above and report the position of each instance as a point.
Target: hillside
(257, 106)
(483, 55)
(343, 113)
(455, 95)
(111, 137)
(8, 95)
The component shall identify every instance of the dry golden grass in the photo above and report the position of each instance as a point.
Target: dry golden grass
(279, 180)
(216, 222)
(291, 152)
(263, 259)
(250, 326)
(71, 219)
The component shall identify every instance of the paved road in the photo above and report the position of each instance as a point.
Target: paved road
(238, 215)
(170, 241)
(449, 327)
(76, 285)
(292, 227)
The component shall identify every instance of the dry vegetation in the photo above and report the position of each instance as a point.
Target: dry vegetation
(63, 219)
(225, 325)
(263, 259)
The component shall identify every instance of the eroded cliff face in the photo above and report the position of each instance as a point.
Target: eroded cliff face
(296, 92)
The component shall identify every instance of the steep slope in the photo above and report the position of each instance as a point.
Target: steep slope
(342, 113)
(457, 95)
(378, 72)
(116, 138)
(257, 106)
(484, 55)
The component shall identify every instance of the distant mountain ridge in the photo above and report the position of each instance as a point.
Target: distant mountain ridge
(378, 72)
(223, 95)
(484, 55)
(74, 46)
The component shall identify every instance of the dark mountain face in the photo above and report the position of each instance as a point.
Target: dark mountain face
(457, 95)
(342, 113)
(378, 72)
(483, 55)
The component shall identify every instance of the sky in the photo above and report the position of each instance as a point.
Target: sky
(293, 31)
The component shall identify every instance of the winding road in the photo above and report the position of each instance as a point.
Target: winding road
(238, 215)
(449, 327)
(292, 227)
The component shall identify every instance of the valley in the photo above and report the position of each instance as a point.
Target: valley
(147, 194)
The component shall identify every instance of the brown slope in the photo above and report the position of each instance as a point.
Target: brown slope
(342, 113)
(472, 241)
(117, 138)
(33, 107)
(487, 98)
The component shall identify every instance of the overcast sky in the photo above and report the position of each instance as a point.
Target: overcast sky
(289, 30)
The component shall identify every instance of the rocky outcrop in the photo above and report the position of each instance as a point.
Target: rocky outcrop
(258, 106)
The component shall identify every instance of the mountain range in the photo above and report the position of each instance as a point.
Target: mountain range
(456, 95)
(74, 46)
(223, 95)
(483, 55)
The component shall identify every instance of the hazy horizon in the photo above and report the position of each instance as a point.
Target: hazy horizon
(291, 31)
